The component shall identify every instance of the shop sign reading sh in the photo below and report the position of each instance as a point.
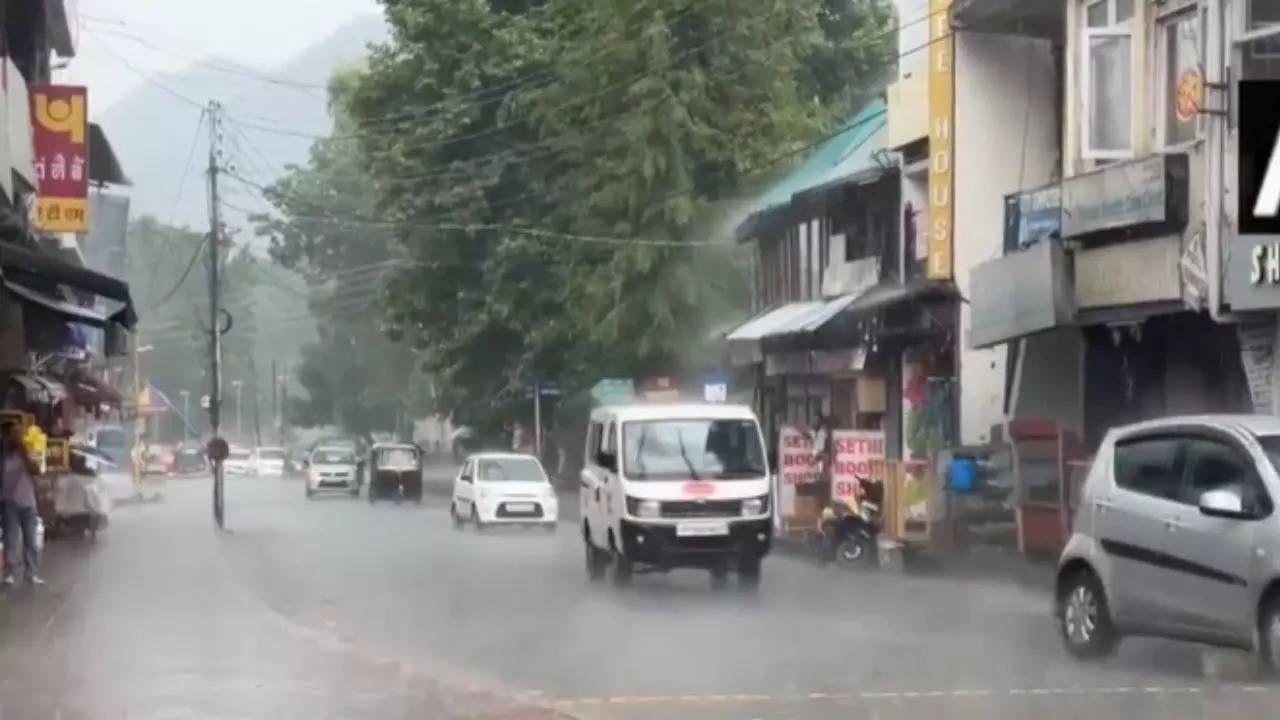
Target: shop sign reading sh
(1264, 266)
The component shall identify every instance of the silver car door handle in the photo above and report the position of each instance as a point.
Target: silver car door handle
(1173, 524)
(1103, 505)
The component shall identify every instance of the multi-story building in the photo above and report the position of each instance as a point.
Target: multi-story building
(1118, 290)
(972, 116)
(840, 303)
(1070, 172)
(47, 295)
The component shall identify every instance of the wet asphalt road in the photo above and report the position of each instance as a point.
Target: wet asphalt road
(333, 608)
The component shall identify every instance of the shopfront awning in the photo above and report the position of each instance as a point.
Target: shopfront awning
(856, 305)
(67, 310)
(104, 166)
(1020, 294)
(89, 391)
(48, 267)
(36, 388)
(744, 342)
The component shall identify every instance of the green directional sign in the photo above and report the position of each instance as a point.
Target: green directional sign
(610, 391)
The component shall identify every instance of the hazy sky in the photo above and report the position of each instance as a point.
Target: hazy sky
(258, 33)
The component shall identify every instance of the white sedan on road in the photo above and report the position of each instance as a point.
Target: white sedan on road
(269, 461)
(239, 462)
(503, 488)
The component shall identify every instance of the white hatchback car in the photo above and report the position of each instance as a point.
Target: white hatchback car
(503, 488)
(333, 468)
(269, 461)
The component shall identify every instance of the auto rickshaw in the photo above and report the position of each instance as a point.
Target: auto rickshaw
(395, 472)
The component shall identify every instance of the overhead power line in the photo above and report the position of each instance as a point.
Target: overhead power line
(567, 140)
(497, 227)
(148, 77)
(185, 272)
(418, 117)
(207, 62)
(504, 125)
(424, 223)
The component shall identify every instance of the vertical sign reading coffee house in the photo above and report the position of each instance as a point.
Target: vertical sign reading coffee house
(60, 129)
(941, 102)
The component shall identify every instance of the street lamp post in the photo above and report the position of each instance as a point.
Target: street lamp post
(138, 423)
(186, 414)
(238, 384)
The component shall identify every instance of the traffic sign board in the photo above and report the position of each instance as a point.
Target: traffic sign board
(204, 402)
(545, 389)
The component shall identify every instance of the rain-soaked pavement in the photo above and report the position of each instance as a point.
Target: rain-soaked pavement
(333, 608)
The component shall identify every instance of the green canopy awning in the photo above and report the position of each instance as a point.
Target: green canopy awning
(847, 155)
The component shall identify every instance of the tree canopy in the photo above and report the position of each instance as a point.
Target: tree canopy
(544, 179)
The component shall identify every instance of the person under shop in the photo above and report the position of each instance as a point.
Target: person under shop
(822, 452)
(18, 492)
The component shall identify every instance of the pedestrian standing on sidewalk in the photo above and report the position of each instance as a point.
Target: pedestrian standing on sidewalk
(18, 490)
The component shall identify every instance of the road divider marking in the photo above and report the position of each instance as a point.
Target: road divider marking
(920, 695)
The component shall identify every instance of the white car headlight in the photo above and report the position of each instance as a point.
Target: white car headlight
(753, 506)
(648, 509)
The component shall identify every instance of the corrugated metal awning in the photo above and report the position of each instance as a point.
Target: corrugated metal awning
(880, 296)
(744, 343)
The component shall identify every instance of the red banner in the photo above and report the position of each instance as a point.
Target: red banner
(60, 126)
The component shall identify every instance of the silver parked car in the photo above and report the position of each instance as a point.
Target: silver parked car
(1177, 536)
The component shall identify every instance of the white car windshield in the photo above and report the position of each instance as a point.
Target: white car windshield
(239, 455)
(270, 454)
(337, 456)
(664, 449)
(514, 469)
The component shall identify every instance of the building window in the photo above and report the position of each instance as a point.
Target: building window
(1179, 43)
(1108, 96)
(1261, 53)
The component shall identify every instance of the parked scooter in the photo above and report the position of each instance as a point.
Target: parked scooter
(851, 528)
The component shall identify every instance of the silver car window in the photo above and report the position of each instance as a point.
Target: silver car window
(1217, 465)
(1149, 465)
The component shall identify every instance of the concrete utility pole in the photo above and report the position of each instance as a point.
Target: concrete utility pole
(215, 311)
(275, 407)
(284, 405)
(253, 392)
(186, 414)
(239, 386)
(537, 419)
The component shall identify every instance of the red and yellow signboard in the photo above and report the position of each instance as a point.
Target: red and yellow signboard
(60, 126)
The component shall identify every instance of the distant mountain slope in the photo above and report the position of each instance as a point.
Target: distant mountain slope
(151, 130)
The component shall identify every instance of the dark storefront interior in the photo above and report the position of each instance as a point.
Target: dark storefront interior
(1166, 365)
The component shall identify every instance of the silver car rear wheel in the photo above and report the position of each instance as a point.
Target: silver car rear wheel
(1269, 629)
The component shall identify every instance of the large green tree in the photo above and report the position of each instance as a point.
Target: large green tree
(354, 375)
(547, 176)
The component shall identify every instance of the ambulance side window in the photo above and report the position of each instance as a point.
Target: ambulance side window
(608, 455)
